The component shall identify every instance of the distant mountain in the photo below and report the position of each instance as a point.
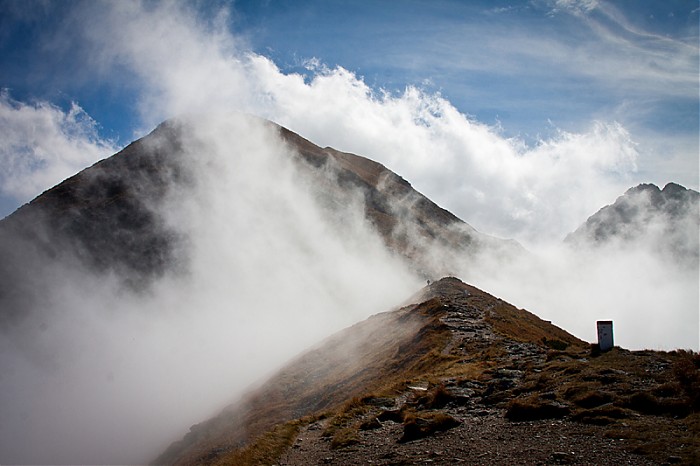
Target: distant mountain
(454, 375)
(665, 221)
(109, 217)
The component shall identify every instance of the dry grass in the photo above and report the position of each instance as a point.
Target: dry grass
(267, 448)
(602, 415)
(348, 414)
(373, 357)
(345, 437)
(662, 439)
(590, 399)
(648, 398)
(521, 325)
(436, 398)
(534, 408)
(349, 375)
(686, 371)
(416, 426)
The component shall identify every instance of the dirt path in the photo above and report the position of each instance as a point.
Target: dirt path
(483, 436)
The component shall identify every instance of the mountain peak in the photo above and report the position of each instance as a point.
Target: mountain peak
(109, 216)
(642, 187)
(645, 214)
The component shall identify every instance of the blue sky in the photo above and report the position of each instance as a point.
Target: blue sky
(534, 75)
(466, 51)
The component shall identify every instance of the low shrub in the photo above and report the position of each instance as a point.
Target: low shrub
(427, 424)
(686, 371)
(644, 402)
(344, 438)
(371, 424)
(593, 399)
(266, 449)
(394, 415)
(602, 415)
(555, 344)
(647, 403)
(534, 408)
(436, 398)
(348, 413)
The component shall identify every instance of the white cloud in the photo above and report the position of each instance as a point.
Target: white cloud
(182, 61)
(41, 145)
(188, 64)
(574, 6)
(269, 274)
(653, 303)
(499, 185)
(623, 55)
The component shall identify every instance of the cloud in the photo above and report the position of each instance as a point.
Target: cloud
(448, 156)
(457, 161)
(103, 375)
(653, 303)
(41, 145)
(574, 6)
(622, 54)
(208, 69)
(185, 63)
(182, 60)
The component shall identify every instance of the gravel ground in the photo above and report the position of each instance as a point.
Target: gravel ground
(483, 439)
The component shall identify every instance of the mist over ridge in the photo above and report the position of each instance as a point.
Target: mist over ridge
(254, 234)
(142, 294)
(250, 260)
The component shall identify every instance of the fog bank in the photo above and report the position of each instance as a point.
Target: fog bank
(105, 375)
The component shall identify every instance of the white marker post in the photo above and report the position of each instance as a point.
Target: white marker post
(605, 335)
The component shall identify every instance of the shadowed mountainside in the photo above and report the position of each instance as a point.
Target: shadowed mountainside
(104, 219)
(409, 223)
(108, 217)
(408, 385)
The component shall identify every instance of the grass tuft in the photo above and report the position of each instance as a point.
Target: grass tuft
(267, 448)
(686, 371)
(344, 438)
(425, 425)
(534, 408)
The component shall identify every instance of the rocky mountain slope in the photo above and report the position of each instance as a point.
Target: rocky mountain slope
(109, 217)
(664, 220)
(409, 222)
(454, 376)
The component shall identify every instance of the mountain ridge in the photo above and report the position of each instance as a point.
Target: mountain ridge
(424, 337)
(107, 217)
(114, 221)
(457, 375)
